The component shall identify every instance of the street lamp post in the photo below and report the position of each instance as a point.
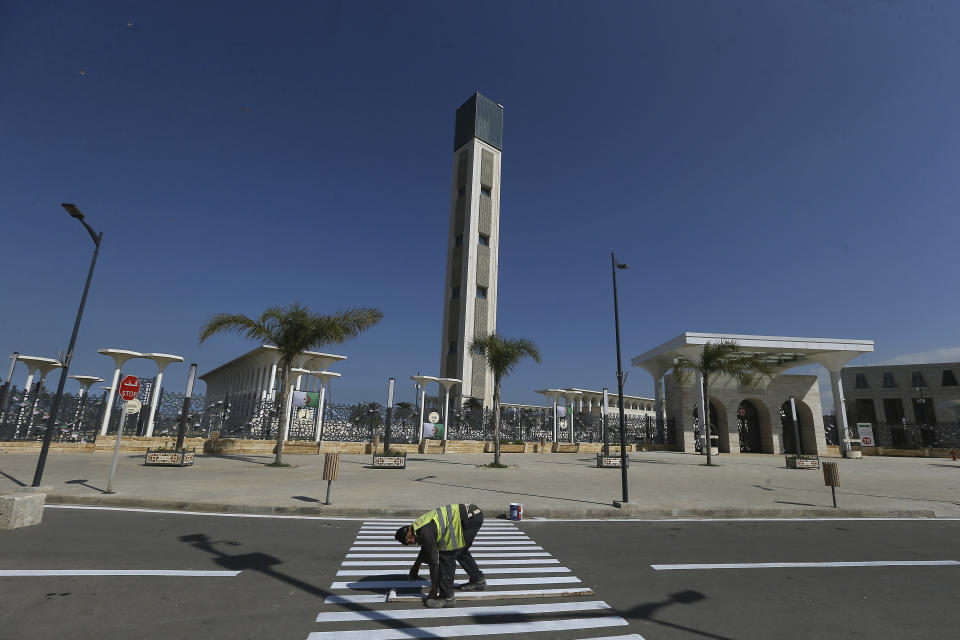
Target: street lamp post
(96, 237)
(623, 426)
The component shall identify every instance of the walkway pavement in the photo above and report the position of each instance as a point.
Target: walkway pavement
(663, 484)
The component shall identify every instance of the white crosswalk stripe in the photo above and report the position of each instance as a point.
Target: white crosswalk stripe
(555, 604)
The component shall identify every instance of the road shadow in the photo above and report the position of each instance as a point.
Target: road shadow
(12, 479)
(763, 488)
(267, 565)
(647, 610)
(84, 483)
(875, 495)
(305, 499)
(948, 466)
(426, 480)
(238, 458)
(802, 504)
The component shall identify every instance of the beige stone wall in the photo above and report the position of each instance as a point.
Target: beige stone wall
(726, 396)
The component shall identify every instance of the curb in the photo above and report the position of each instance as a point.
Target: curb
(549, 513)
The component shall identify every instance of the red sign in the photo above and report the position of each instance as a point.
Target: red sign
(129, 388)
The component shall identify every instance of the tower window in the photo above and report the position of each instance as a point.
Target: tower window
(456, 292)
(888, 381)
(484, 240)
(458, 241)
(452, 349)
(481, 292)
(948, 380)
(861, 382)
(916, 380)
(486, 192)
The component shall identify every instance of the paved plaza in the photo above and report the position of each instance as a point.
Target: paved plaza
(663, 484)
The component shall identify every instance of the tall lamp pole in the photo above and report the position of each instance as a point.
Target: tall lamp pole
(51, 422)
(623, 426)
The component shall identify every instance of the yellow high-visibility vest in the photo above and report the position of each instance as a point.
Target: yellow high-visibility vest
(449, 527)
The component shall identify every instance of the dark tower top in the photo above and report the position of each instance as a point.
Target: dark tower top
(481, 118)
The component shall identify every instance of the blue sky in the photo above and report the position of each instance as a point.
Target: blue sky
(779, 168)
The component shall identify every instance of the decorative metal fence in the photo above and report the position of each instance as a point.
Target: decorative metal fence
(907, 435)
(80, 418)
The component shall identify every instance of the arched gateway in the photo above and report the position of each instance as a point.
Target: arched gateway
(749, 416)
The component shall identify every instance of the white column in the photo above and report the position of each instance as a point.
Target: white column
(423, 400)
(555, 425)
(154, 402)
(110, 396)
(840, 408)
(161, 360)
(704, 436)
(320, 405)
(28, 388)
(658, 399)
(273, 381)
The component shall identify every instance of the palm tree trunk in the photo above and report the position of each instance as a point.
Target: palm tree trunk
(282, 414)
(496, 421)
(706, 421)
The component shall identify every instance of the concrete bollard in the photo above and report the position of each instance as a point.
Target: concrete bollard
(23, 508)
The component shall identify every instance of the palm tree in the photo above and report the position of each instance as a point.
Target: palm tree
(367, 414)
(723, 357)
(292, 330)
(502, 355)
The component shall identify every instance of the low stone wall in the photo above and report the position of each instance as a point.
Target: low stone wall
(597, 447)
(463, 446)
(139, 443)
(55, 447)
(908, 453)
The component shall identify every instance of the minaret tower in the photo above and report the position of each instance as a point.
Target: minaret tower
(470, 294)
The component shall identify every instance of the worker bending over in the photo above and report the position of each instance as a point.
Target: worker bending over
(445, 535)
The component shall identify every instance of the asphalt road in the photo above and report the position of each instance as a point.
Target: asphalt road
(288, 567)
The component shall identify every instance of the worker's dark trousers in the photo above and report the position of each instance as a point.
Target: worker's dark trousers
(450, 559)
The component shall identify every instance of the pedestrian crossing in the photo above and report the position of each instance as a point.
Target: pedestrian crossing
(529, 594)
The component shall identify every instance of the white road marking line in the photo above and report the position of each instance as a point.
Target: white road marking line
(460, 572)
(180, 512)
(523, 593)
(806, 565)
(366, 585)
(454, 612)
(509, 537)
(494, 542)
(414, 553)
(474, 547)
(359, 599)
(482, 563)
(19, 573)
(389, 527)
(460, 630)
(629, 636)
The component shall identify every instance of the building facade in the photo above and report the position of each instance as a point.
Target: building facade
(914, 393)
(473, 242)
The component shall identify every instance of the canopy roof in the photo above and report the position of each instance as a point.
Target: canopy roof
(781, 353)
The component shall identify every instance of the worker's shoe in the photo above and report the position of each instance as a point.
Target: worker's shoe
(479, 585)
(441, 603)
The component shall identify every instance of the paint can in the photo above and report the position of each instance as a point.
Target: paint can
(516, 511)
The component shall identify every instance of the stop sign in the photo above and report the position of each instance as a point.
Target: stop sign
(129, 388)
